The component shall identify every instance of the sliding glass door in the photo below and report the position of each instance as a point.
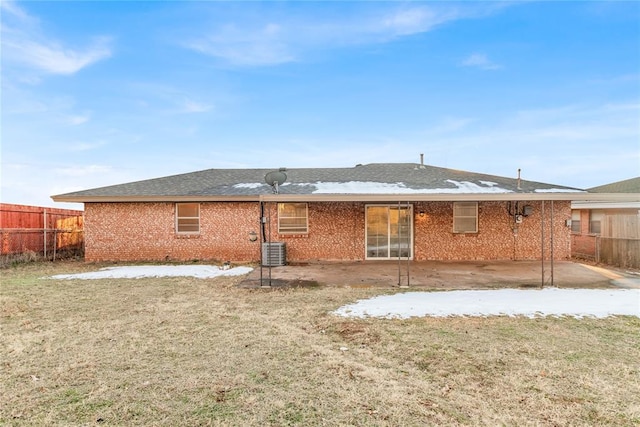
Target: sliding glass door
(389, 231)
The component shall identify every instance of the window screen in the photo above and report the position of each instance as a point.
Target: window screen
(188, 217)
(292, 218)
(465, 217)
(595, 221)
(575, 221)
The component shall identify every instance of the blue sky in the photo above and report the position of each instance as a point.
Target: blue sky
(101, 93)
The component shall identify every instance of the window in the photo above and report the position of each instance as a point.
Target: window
(465, 217)
(595, 221)
(188, 218)
(292, 218)
(389, 231)
(575, 221)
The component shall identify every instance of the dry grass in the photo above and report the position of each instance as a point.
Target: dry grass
(203, 352)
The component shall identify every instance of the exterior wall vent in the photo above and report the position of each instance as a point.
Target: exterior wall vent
(273, 254)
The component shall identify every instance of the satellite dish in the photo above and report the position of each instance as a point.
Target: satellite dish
(275, 179)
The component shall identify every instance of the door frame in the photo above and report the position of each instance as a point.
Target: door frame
(408, 206)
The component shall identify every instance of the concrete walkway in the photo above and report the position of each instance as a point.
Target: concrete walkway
(442, 275)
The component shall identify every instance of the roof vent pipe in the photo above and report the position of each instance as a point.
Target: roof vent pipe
(421, 159)
(519, 179)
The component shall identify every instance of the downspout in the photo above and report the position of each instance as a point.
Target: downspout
(552, 232)
(542, 242)
(262, 237)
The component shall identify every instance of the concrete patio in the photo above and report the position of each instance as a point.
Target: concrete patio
(442, 275)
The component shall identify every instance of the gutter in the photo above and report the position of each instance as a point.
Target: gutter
(413, 197)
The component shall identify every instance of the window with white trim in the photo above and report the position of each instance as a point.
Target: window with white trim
(293, 218)
(575, 221)
(595, 221)
(465, 217)
(188, 218)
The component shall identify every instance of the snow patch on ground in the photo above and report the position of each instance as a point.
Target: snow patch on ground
(504, 302)
(141, 271)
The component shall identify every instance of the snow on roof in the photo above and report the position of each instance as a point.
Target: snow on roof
(369, 187)
(558, 190)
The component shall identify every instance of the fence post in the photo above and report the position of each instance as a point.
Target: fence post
(55, 242)
(44, 227)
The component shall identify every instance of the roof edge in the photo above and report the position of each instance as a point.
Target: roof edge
(443, 197)
(150, 199)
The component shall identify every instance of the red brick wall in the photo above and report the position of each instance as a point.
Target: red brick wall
(146, 231)
(497, 237)
(583, 244)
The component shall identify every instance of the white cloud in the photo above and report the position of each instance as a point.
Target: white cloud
(169, 99)
(85, 146)
(481, 61)
(246, 46)
(273, 40)
(12, 8)
(573, 145)
(417, 20)
(190, 106)
(78, 119)
(53, 57)
(24, 43)
(81, 171)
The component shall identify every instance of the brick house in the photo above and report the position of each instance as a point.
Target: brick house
(588, 218)
(366, 212)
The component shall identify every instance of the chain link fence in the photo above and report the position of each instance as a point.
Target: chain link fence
(29, 244)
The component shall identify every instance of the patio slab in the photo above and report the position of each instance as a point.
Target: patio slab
(440, 275)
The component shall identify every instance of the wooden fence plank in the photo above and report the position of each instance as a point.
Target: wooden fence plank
(620, 252)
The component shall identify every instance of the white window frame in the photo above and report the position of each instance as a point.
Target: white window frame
(457, 216)
(575, 221)
(284, 229)
(596, 218)
(179, 218)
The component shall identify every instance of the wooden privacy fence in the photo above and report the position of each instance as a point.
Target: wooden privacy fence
(621, 226)
(620, 252)
(47, 232)
(619, 243)
(50, 243)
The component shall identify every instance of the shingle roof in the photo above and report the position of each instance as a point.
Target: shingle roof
(627, 186)
(378, 178)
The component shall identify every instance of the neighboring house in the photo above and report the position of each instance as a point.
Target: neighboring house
(366, 212)
(593, 220)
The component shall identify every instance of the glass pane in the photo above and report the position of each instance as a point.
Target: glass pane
(465, 225)
(400, 238)
(188, 225)
(388, 232)
(377, 232)
(575, 226)
(292, 218)
(188, 210)
(464, 209)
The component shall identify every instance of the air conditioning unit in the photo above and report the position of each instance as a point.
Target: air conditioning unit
(273, 254)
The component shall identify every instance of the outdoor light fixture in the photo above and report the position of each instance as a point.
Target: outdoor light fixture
(421, 214)
(253, 236)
